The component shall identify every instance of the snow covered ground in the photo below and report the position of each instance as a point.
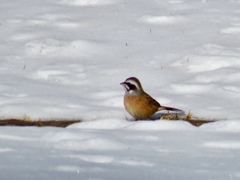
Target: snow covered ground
(66, 58)
(118, 149)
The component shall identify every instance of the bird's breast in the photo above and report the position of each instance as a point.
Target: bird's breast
(139, 106)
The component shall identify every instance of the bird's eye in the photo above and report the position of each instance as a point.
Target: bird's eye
(130, 86)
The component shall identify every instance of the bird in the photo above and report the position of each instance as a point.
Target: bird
(140, 104)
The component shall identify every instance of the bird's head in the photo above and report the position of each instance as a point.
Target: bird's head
(132, 86)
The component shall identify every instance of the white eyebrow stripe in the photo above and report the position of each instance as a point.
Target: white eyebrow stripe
(133, 83)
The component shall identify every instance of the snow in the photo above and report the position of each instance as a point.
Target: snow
(66, 59)
(119, 149)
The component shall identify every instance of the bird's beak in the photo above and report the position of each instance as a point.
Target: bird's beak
(123, 83)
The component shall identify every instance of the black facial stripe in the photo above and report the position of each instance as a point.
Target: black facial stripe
(130, 86)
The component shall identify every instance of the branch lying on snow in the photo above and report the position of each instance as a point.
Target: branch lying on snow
(26, 121)
(38, 123)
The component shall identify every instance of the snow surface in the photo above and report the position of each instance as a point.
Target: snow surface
(65, 59)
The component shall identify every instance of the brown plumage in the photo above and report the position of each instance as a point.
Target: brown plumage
(138, 103)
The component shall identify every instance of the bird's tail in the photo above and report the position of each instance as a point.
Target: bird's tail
(169, 109)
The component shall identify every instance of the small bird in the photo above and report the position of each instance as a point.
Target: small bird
(138, 103)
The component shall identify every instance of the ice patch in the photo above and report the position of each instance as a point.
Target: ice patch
(231, 31)
(223, 144)
(175, 1)
(86, 2)
(3, 150)
(65, 168)
(160, 19)
(100, 159)
(15, 95)
(136, 163)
